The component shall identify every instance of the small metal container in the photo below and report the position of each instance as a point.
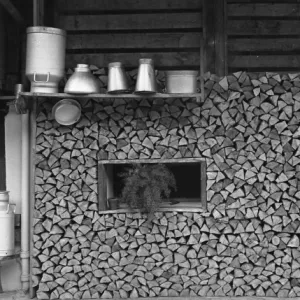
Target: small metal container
(82, 81)
(66, 111)
(117, 79)
(146, 80)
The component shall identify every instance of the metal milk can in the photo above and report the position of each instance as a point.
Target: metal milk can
(7, 225)
(45, 58)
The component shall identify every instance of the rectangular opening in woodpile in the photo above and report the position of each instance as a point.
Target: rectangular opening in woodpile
(190, 176)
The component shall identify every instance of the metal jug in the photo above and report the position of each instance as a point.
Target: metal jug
(82, 81)
(146, 81)
(117, 79)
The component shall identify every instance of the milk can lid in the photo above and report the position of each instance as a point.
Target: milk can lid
(43, 29)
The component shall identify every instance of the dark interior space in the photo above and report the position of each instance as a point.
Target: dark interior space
(187, 176)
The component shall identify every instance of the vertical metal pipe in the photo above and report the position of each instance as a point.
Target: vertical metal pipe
(25, 184)
(25, 203)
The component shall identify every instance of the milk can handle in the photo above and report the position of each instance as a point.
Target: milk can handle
(34, 77)
(8, 205)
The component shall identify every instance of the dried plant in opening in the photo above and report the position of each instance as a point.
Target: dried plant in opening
(145, 186)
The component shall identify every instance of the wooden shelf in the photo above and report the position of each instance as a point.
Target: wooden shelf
(179, 207)
(108, 96)
(151, 161)
(7, 98)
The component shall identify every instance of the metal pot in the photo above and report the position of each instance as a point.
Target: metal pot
(82, 81)
(45, 58)
(117, 79)
(114, 203)
(182, 81)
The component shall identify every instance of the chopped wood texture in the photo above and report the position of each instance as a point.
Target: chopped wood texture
(245, 244)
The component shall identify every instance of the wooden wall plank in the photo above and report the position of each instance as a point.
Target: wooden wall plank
(263, 35)
(263, 10)
(132, 21)
(133, 40)
(104, 5)
(265, 61)
(101, 31)
(263, 27)
(279, 44)
(163, 59)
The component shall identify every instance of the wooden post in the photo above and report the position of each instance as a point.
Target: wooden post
(214, 35)
(102, 187)
(202, 63)
(203, 179)
(220, 37)
(208, 36)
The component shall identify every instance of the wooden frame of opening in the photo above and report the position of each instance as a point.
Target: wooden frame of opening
(105, 184)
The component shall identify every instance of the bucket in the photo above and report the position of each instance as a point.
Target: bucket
(45, 58)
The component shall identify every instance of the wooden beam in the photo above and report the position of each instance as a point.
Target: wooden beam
(214, 34)
(102, 187)
(208, 36)
(13, 11)
(220, 37)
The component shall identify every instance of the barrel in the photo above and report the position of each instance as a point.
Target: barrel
(45, 58)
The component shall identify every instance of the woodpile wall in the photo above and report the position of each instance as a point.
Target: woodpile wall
(245, 244)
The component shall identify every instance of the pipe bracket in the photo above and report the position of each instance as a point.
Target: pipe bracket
(25, 278)
(24, 254)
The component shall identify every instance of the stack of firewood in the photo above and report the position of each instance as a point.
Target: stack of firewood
(245, 244)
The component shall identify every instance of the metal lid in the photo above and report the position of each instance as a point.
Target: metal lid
(146, 61)
(115, 64)
(82, 68)
(181, 73)
(43, 29)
